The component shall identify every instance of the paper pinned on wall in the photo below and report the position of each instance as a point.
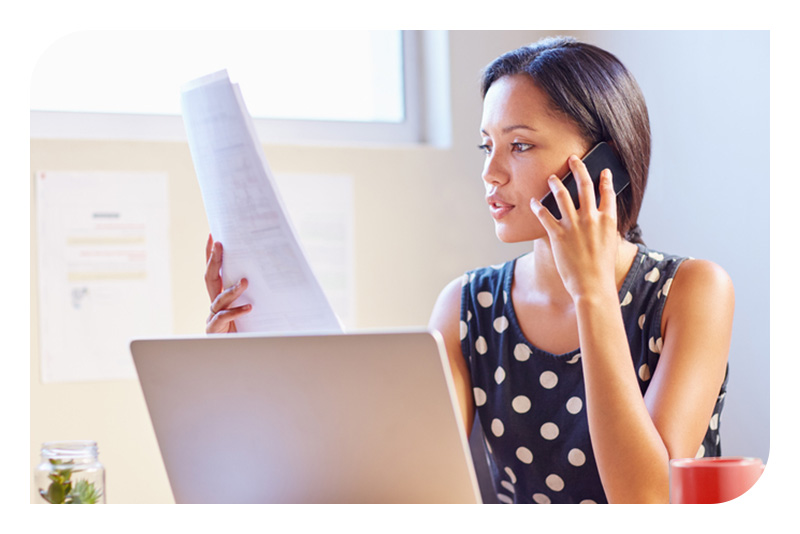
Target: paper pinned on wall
(104, 276)
(246, 214)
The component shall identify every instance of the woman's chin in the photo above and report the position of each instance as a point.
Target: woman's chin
(512, 235)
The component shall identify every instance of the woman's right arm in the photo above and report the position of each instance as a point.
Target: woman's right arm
(222, 317)
(446, 318)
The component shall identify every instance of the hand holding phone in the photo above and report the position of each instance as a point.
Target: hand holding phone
(598, 158)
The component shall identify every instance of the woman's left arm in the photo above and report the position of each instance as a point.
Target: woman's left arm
(696, 327)
(633, 438)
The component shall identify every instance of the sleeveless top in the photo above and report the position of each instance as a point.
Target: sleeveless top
(532, 405)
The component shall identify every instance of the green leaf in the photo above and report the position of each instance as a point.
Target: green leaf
(55, 493)
(85, 493)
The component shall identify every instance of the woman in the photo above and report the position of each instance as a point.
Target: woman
(586, 377)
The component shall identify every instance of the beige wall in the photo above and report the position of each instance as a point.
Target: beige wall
(421, 221)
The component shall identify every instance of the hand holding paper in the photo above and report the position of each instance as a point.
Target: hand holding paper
(223, 315)
(246, 214)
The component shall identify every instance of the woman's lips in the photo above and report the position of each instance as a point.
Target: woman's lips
(498, 208)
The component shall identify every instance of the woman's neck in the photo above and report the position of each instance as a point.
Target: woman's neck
(541, 276)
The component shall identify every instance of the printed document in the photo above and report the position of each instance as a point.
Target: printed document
(104, 270)
(245, 213)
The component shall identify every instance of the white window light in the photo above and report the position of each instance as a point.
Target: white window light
(300, 86)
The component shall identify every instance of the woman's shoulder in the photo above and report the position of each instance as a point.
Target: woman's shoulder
(696, 286)
(688, 271)
(656, 268)
(700, 279)
(687, 281)
(474, 284)
(471, 281)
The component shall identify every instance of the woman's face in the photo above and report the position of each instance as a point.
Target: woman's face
(525, 142)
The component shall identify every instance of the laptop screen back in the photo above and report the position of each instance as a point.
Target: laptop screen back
(367, 418)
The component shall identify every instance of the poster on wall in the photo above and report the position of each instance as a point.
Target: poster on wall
(104, 275)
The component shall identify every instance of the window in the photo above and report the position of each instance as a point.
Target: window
(299, 86)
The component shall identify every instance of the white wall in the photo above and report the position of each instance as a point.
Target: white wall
(421, 221)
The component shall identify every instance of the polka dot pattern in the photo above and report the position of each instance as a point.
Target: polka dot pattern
(521, 404)
(500, 324)
(549, 431)
(574, 405)
(511, 476)
(485, 299)
(498, 428)
(522, 352)
(532, 404)
(554, 482)
(576, 457)
(499, 375)
(653, 276)
(644, 372)
(541, 498)
(548, 379)
(524, 455)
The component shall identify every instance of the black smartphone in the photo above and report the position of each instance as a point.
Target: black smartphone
(600, 157)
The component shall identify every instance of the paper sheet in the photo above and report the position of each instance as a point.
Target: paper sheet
(104, 275)
(245, 213)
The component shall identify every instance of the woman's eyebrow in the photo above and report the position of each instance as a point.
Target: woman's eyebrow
(513, 127)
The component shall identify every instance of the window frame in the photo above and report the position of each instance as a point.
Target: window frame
(170, 128)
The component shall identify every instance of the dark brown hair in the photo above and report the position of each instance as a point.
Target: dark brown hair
(595, 90)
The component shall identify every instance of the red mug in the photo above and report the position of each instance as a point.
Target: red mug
(711, 480)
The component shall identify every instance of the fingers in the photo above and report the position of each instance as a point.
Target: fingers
(223, 322)
(608, 197)
(547, 219)
(586, 189)
(222, 315)
(213, 266)
(226, 298)
(584, 182)
(586, 193)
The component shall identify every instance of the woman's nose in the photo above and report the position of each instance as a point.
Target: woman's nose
(495, 171)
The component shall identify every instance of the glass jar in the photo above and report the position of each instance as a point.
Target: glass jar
(70, 473)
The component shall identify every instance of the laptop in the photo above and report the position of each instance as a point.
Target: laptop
(365, 417)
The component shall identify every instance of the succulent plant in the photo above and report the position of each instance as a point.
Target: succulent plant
(62, 491)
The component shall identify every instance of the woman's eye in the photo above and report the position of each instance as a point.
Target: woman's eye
(515, 147)
(520, 147)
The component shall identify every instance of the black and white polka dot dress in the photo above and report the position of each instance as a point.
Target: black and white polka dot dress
(531, 403)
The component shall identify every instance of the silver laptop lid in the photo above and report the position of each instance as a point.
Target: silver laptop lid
(367, 417)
